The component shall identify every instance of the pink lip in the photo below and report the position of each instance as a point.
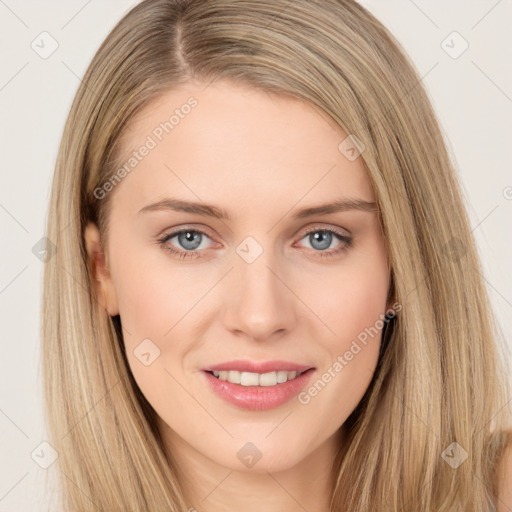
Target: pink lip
(258, 398)
(258, 367)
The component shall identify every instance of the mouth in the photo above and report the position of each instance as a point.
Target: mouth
(256, 379)
(257, 392)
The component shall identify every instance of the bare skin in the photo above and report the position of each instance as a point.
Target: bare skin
(260, 158)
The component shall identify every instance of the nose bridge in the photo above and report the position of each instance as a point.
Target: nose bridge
(259, 302)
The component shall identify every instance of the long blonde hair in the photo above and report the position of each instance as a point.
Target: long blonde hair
(440, 377)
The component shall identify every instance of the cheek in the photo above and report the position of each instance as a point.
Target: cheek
(353, 299)
(156, 304)
(352, 305)
(167, 302)
(153, 293)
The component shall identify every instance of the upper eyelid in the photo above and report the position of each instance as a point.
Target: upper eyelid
(176, 230)
(331, 229)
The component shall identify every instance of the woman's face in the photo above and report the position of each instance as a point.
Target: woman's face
(270, 281)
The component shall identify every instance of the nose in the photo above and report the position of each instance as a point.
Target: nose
(260, 303)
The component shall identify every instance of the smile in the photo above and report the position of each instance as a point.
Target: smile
(256, 379)
(257, 392)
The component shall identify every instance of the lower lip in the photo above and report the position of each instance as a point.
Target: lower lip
(259, 398)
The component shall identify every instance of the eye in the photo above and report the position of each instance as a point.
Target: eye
(321, 239)
(190, 242)
(189, 239)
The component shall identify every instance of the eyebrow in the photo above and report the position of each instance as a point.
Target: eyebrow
(208, 210)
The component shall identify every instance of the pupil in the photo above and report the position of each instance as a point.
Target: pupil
(190, 237)
(323, 238)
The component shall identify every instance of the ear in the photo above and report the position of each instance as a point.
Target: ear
(102, 280)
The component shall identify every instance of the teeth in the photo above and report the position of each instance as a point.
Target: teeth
(233, 377)
(256, 379)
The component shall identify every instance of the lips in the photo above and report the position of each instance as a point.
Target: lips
(258, 366)
(257, 398)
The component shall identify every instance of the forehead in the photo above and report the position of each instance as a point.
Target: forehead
(224, 141)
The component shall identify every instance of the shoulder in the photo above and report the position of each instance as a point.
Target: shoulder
(504, 484)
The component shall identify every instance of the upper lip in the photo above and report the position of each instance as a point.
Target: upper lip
(258, 366)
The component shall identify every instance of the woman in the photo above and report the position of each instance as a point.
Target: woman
(266, 293)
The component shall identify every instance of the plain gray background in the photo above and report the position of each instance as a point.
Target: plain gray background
(472, 95)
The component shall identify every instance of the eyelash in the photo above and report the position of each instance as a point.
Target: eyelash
(347, 243)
